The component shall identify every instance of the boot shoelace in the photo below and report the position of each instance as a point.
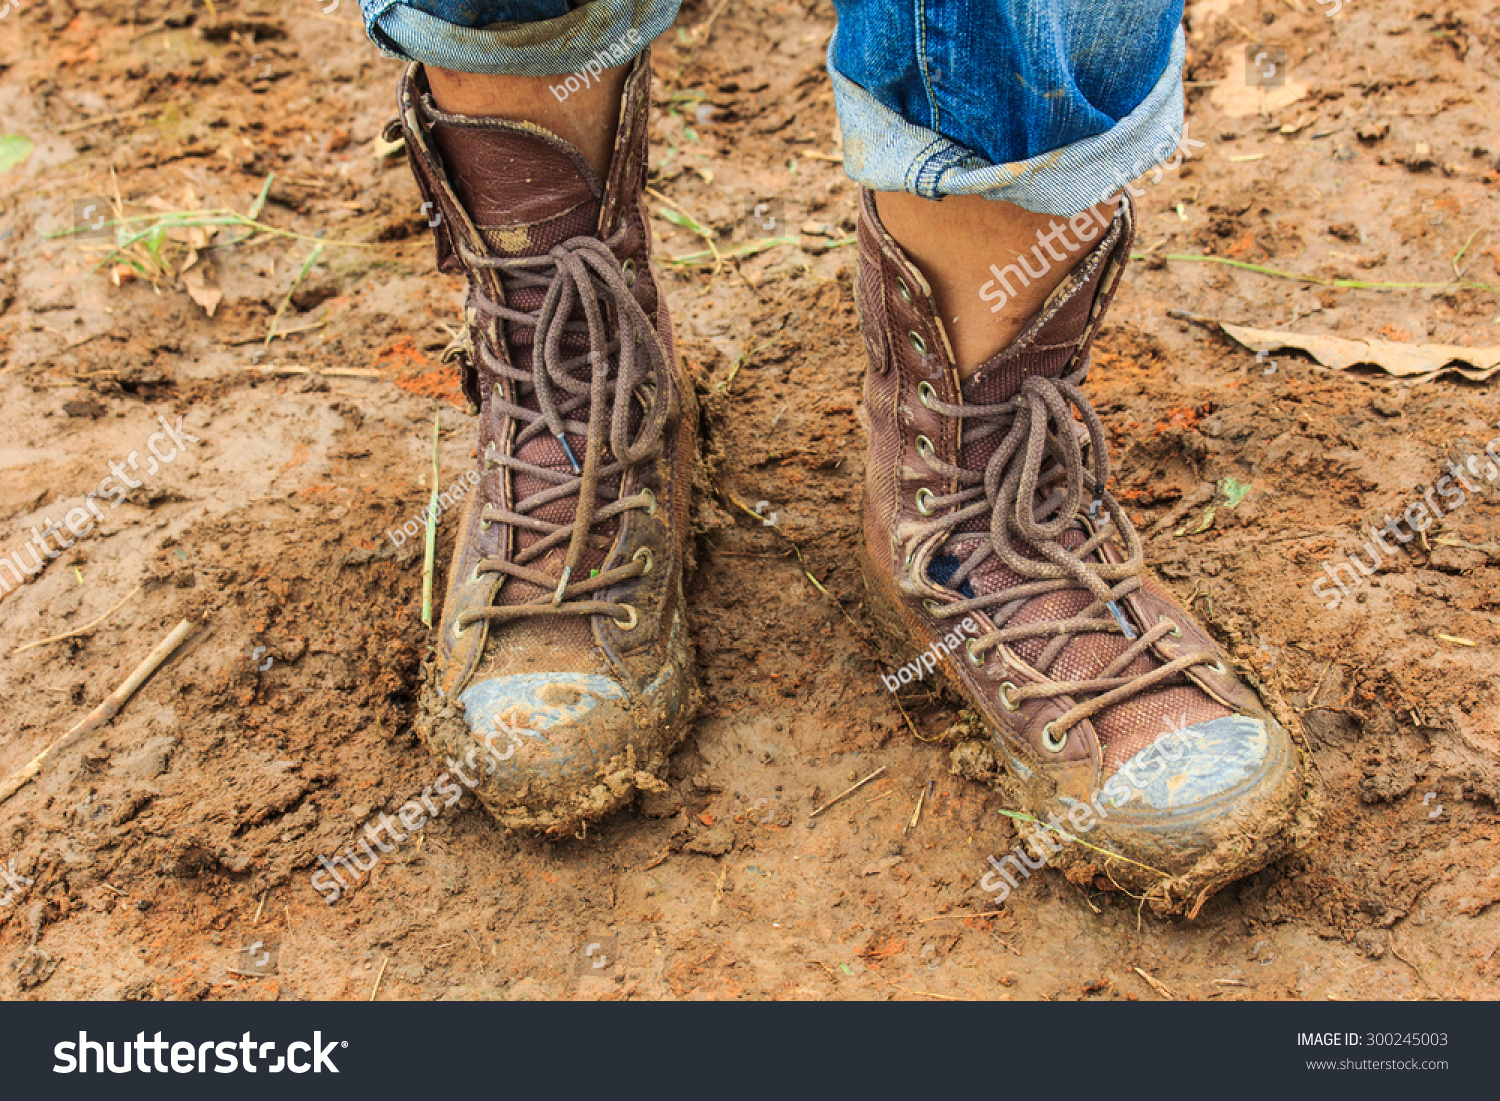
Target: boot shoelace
(579, 273)
(1027, 504)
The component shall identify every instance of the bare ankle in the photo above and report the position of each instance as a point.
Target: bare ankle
(978, 256)
(586, 118)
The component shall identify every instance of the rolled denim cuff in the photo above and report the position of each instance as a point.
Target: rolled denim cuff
(884, 152)
(597, 32)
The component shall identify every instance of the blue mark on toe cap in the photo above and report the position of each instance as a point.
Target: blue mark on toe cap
(1196, 763)
(534, 702)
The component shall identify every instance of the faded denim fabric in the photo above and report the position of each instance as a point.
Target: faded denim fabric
(516, 37)
(1051, 104)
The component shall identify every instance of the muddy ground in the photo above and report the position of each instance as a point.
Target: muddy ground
(168, 855)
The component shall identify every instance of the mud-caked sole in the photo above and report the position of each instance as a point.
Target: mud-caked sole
(643, 730)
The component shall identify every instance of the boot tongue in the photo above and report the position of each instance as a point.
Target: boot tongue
(525, 188)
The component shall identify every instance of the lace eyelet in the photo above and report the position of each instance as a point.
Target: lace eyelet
(917, 343)
(474, 576)
(974, 659)
(1176, 631)
(911, 557)
(644, 552)
(1218, 667)
(459, 629)
(1053, 744)
(627, 269)
(903, 290)
(924, 496)
(925, 448)
(650, 508)
(932, 606)
(926, 394)
(631, 619)
(1006, 688)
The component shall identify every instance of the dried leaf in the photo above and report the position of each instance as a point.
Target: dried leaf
(1419, 361)
(1237, 97)
(200, 291)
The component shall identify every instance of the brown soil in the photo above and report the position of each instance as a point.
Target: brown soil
(189, 826)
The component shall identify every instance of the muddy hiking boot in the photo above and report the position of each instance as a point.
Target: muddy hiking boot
(561, 679)
(1114, 715)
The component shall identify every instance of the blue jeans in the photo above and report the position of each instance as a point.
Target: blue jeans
(1051, 104)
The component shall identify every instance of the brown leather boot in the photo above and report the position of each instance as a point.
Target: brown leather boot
(992, 541)
(562, 678)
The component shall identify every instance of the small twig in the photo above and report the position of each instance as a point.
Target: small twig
(1336, 284)
(911, 725)
(848, 792)
(750, 248)
(1079, 841)
(713, 908)
(379, 977)
(281, 334)
(744, 357)
(687, 221)
(77, 631)
(916, 815)
(327, 372)
(1460, 254)
(256, 919)
(701, 32)
(118, 115)
(297, 282)
(1159, 987)
(1313, 696)
(102, 714)
(945, 917)
(925, 994)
